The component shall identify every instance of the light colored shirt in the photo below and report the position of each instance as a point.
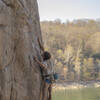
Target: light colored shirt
(49, 67)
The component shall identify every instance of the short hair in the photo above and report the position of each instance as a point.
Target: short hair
(46, 55)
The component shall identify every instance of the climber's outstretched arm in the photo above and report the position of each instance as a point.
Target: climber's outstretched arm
(40, 45)
(42, 65)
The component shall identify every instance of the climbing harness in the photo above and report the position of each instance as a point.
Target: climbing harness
(51, 78)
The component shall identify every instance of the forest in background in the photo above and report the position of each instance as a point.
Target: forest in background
(75, 47)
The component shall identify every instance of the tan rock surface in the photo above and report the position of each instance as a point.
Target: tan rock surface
(20, 77)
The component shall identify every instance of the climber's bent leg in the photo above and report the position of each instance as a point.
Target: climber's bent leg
(45, 91)
(50, 92)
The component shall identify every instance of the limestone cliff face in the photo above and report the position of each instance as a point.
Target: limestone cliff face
(20, 77)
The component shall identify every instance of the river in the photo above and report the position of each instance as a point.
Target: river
(90, 93)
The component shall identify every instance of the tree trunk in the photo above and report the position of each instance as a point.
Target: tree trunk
(20, 77)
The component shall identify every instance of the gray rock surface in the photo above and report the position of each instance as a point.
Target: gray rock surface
(20, 77)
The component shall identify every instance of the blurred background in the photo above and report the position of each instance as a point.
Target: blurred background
(71, 32)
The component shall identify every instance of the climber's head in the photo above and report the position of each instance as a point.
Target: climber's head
(46, 55)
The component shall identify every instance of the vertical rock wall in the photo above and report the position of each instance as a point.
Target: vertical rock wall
(20, 77)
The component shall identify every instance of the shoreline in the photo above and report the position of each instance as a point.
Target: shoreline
(75, 85)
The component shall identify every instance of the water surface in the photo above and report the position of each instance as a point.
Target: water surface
(78, 94)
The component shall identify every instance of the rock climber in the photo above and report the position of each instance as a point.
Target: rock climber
(48, 74)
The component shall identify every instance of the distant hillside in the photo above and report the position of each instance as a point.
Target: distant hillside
(75, 47)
